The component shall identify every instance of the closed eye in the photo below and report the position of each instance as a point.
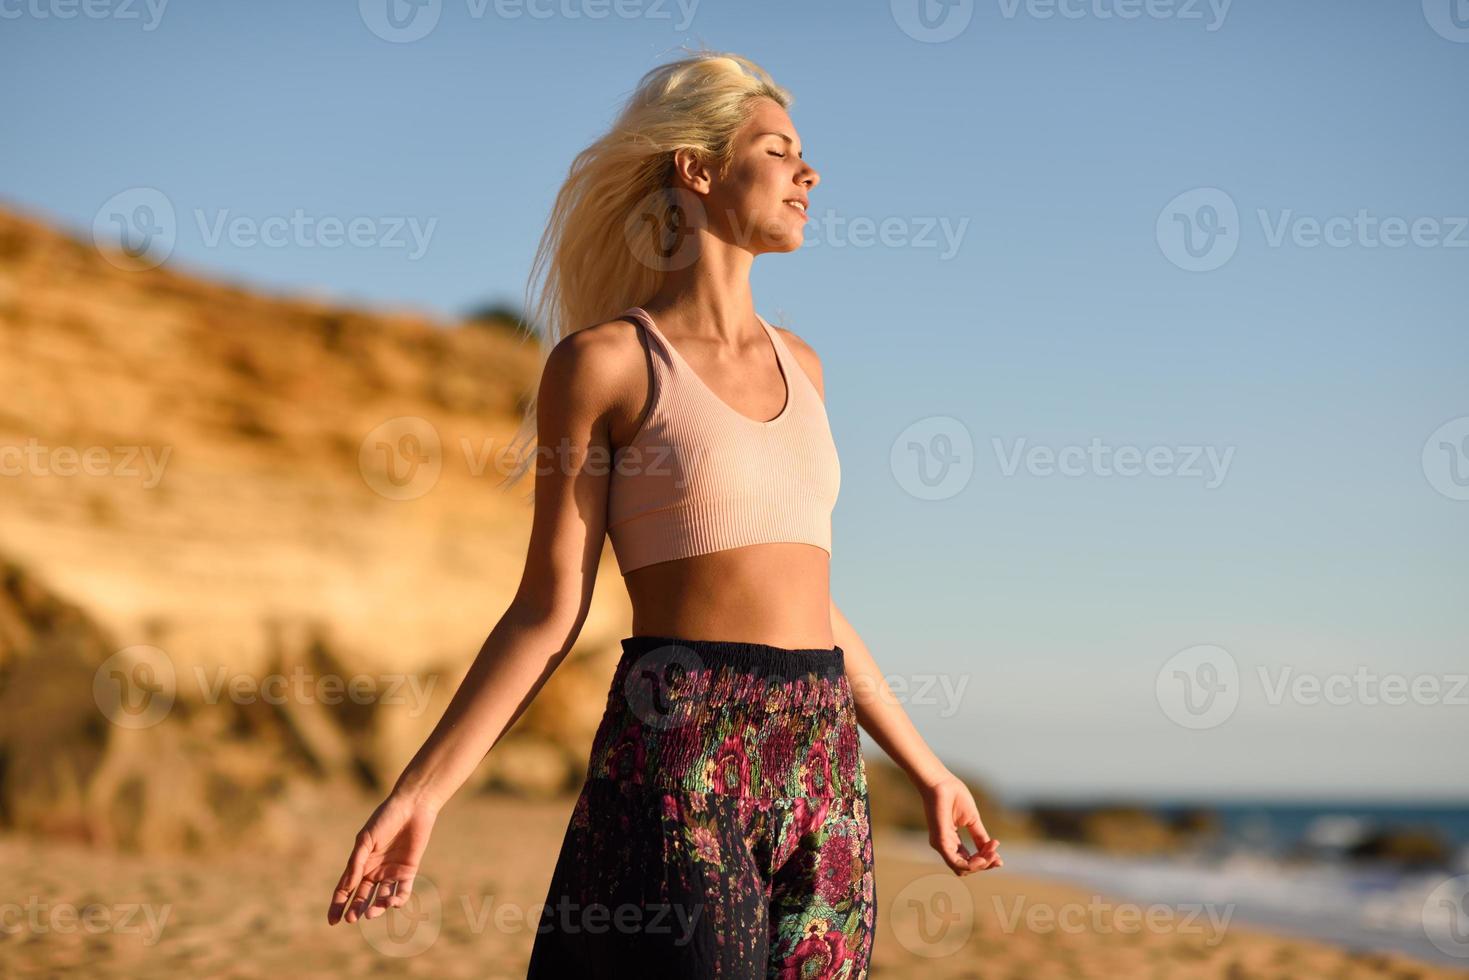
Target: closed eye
(774, 154)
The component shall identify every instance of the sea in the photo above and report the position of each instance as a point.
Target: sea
(1282, 867)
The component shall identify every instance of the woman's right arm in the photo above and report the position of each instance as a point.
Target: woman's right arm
(574, 400)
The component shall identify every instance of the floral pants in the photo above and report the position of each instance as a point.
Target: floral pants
(722, 830)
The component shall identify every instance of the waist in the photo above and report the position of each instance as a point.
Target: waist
(730, 717)
(779, 593)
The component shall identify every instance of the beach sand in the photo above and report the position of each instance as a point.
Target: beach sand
(65, 908)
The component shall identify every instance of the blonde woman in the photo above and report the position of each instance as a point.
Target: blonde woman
(722, 830)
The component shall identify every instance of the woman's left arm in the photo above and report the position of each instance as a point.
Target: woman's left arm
(946, 800)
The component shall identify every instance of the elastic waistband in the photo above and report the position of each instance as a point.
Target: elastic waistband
(761, 660)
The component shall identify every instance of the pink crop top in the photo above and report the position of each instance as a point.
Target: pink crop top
(699, 476)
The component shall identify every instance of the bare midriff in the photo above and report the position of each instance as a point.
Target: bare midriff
(777, 594)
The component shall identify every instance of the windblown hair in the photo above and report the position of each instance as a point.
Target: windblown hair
(616, 207)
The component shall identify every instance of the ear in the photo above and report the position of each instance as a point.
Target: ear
(690, 171)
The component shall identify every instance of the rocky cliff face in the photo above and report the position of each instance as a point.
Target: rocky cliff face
(266, 536)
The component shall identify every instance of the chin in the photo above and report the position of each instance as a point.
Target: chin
(785, 238)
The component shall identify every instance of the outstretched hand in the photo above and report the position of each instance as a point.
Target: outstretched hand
(384, 861)
(950, 806)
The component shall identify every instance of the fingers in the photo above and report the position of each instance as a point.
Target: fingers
(365, 894)
(402, 890)
(958, 857)
(380, 903)
(951, 849)
(986, 854)
(351, 877)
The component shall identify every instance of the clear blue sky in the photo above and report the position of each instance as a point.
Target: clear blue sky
(1049, 148)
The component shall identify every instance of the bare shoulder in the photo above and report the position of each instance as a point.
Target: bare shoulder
(806, 356)
(592, 366)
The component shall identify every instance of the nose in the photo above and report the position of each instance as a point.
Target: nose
(808, 177)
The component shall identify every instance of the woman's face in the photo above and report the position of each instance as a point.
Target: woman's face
(761, 204)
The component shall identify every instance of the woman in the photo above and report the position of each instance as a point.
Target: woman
(722, 829)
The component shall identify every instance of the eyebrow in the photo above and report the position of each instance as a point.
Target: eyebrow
(789, 141)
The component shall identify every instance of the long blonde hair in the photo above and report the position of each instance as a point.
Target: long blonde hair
(616, 210)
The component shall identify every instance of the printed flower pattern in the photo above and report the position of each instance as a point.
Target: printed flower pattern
(749, 814)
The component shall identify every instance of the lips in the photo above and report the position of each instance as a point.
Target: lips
(799, 205)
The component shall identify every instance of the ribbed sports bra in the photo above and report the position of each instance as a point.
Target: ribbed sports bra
(699, 476)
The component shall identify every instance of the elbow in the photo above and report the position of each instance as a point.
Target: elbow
(544, 612)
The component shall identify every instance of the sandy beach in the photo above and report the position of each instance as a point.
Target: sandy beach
(262, 914)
